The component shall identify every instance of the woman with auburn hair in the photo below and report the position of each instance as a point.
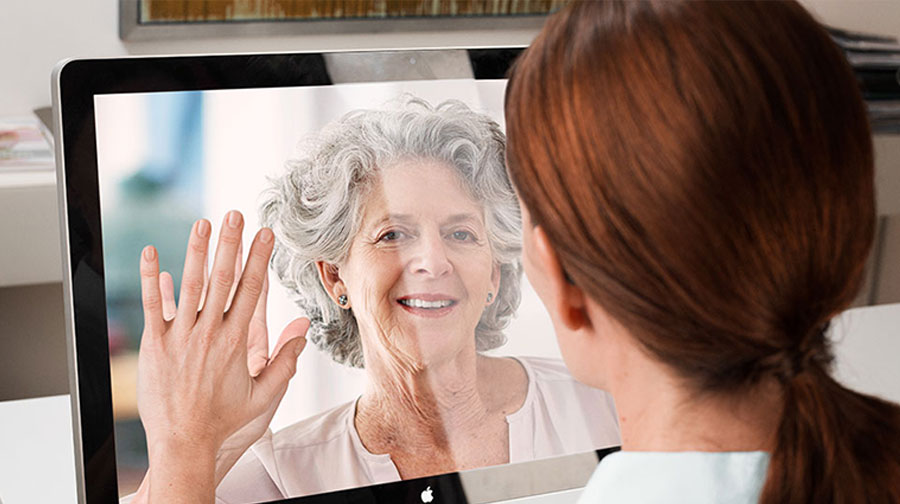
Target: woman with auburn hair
(696, 180)
(697, 188)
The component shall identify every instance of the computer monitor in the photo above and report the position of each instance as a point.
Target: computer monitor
(381, 169)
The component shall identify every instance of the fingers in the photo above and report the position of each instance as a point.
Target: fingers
(275, 376)
(238, 264)
(205, 281)
(248, 292)
(151, 299)
(258, 336)
(222, 276)
(192, 276)
(167, 290)
(259, 313)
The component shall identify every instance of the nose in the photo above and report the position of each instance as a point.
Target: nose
(430, 257)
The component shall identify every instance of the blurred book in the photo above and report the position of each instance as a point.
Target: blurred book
(876, 62)
(45, 117)
(23, 146)
(873, 60)
(856, 41)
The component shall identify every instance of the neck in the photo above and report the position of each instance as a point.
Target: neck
(659, 412)
(432, 406)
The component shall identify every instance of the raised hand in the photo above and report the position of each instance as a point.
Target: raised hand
(195, 388)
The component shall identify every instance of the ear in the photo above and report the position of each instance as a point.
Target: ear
(495, 281)
(568, 300)
(329, 275)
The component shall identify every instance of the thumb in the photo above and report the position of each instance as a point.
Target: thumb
(281, 368)
(297, 328)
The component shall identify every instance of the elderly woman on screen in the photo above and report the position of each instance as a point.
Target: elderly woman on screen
(398, 234)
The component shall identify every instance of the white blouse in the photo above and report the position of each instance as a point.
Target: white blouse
(696, 477)
(324, 453)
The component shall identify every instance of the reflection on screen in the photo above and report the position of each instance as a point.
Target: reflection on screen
(397, 234)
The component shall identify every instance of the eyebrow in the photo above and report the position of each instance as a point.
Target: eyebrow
(462, 217)
(407, 218)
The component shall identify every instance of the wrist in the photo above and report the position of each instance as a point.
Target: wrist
(193, 458)
(181, 471)
(174, 444)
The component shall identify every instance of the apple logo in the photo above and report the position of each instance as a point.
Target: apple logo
(426, 495)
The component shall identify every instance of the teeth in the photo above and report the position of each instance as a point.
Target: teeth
(421, 303)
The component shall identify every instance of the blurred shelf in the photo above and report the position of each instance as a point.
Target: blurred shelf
(887, 173)
(29, 228)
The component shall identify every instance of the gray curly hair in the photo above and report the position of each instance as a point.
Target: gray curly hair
(314, 209)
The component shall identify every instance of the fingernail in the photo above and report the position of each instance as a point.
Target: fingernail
(202, 228)
(265, 235)
(234, 218)
(149, 252)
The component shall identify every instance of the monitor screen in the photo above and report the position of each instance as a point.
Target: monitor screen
(397, 234)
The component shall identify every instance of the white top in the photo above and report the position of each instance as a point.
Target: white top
(695, 477)
(324, 453)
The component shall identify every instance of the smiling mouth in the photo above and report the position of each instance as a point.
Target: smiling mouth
(426, 305)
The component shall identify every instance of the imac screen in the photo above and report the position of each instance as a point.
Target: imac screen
(397, 233)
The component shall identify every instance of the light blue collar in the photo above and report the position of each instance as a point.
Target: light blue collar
(696, 477)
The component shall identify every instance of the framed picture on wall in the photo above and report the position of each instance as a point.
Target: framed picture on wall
(158, 19)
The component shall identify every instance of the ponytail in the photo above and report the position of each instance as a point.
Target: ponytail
(833, 445)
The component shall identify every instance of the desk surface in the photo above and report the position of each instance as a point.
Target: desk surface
(37, 455)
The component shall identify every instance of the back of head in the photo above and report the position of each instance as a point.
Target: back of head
(705, 173)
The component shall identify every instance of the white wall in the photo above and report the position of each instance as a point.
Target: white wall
(872, 16)
(866, 346)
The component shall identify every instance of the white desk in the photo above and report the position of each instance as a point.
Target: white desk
(37, 457)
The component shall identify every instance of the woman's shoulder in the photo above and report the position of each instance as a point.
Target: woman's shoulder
(318, 429)
(550, 380)
(561, 415)
(546, 369)
(320, 441)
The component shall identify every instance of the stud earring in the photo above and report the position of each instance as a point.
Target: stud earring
(342, 300)
(490, 297)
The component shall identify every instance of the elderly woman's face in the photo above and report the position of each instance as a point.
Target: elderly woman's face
(420, 269)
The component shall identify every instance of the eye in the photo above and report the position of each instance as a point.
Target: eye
(463, 236)
(392, 235)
